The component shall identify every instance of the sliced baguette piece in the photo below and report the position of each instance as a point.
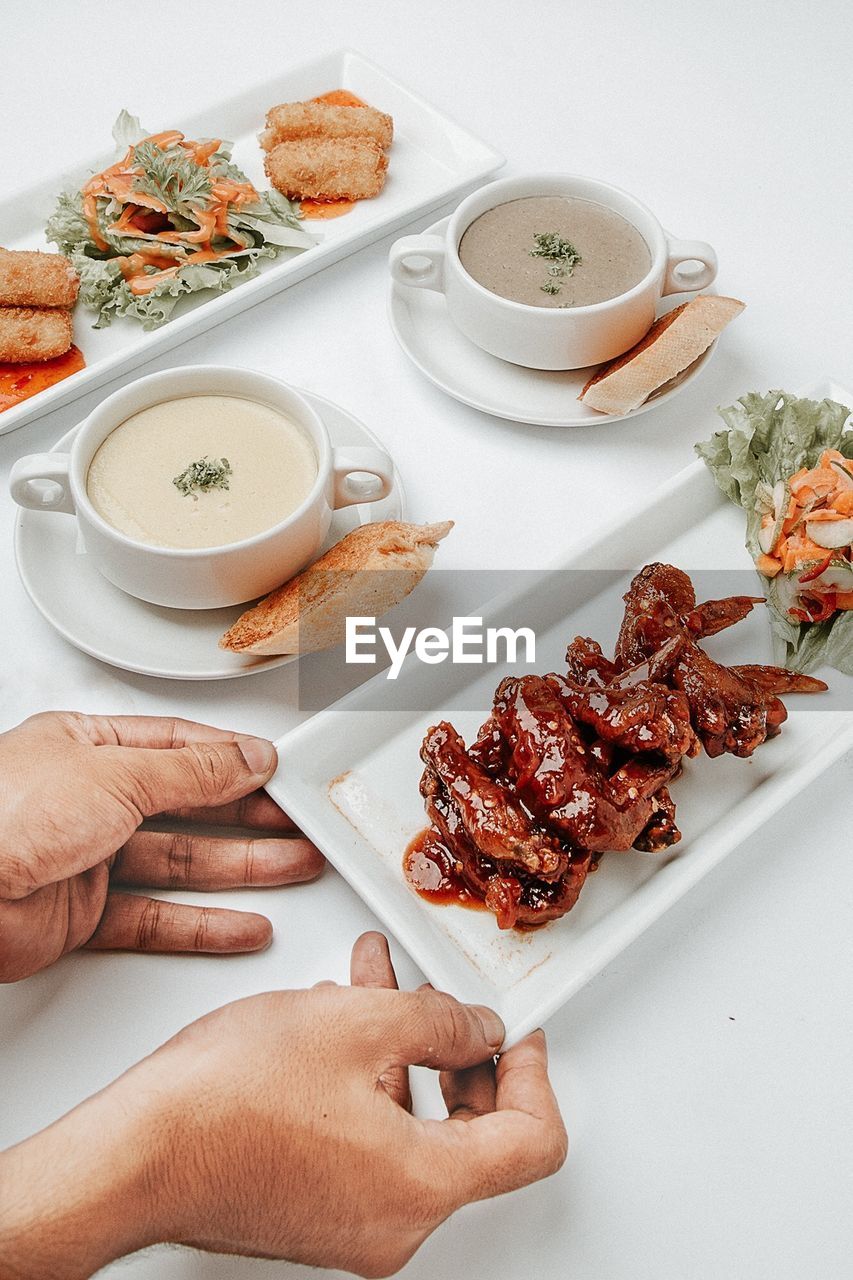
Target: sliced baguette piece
(364, 575)
(673, 342)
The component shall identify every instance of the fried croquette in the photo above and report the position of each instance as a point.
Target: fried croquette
(30, 333)
(29, 279)
(327, 168)
(291, 120)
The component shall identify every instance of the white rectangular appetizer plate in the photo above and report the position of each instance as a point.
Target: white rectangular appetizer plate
(349, 776)
(431, 160)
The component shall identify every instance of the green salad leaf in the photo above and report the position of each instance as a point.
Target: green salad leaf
(169, 177)
(127, 130)
(767, 439)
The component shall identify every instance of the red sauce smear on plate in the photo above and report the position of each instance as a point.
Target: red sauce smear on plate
(20, 381)
(430, 869)
(326, 208)
(332, 208)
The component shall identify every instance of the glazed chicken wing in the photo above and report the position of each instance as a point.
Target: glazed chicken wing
(732, 709)
(490, 816)
(569, 766)
(561, 781)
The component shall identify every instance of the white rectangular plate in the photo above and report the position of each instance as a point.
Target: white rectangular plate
(349, 777)
(432, 159)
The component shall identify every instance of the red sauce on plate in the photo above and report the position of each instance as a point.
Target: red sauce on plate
(430, 869)
(326, 208)
(20, 381)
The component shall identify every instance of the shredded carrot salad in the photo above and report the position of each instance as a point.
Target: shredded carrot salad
(146, 215)
(808, 532)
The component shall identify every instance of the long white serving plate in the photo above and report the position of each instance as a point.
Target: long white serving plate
(349, 776)
(431, 160)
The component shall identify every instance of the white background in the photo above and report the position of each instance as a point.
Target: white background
(705, 1075)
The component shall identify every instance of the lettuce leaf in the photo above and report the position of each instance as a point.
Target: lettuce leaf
(127, 131)
(66, 227)
(768, 438)
(104, 289)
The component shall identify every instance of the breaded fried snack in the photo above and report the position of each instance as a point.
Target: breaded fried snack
(292, 120)
(28, 333)
(327, 168)
(30, 279)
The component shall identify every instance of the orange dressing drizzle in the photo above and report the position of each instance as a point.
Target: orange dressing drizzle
(117, 181)
(20, 381)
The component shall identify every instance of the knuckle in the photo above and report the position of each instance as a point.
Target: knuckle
(149, 925)
(442, 1021)
(212, 766)
(17, 876)
(202, 928)
(179, 858)
(249, 868)
(455, 1020)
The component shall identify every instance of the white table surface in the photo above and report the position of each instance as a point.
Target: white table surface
(704, 1075)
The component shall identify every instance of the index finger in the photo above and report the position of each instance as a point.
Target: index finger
(371, 966)
(522, 1140)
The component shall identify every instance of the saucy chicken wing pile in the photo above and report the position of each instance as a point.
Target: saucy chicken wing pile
(568, 767)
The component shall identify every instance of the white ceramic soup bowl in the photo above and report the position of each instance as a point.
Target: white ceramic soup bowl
(551, 337)
(203, 577)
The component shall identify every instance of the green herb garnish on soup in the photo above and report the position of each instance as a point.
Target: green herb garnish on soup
(202, 475)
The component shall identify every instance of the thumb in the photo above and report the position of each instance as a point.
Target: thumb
(432, 1029)
(197, 775)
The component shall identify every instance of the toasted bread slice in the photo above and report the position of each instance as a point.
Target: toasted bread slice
(672, 343)
(364, 575)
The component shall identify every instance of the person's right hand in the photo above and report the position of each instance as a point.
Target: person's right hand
(278, 1127)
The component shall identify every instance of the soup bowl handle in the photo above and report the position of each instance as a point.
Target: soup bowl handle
(429, 274)
(679, 253)
(40, 482)
(361, 475)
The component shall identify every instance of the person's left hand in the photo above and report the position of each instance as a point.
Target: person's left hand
(74, 793)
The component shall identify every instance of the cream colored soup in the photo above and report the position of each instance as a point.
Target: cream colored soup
(507, 248)
(266, 461)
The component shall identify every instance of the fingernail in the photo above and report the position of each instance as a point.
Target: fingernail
(494, 1030)
(258, 754)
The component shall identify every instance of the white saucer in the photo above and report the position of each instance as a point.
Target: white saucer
(175, 644)
(432, 342)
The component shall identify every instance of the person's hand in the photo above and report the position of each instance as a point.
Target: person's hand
(74, 791)
(278, 1127)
